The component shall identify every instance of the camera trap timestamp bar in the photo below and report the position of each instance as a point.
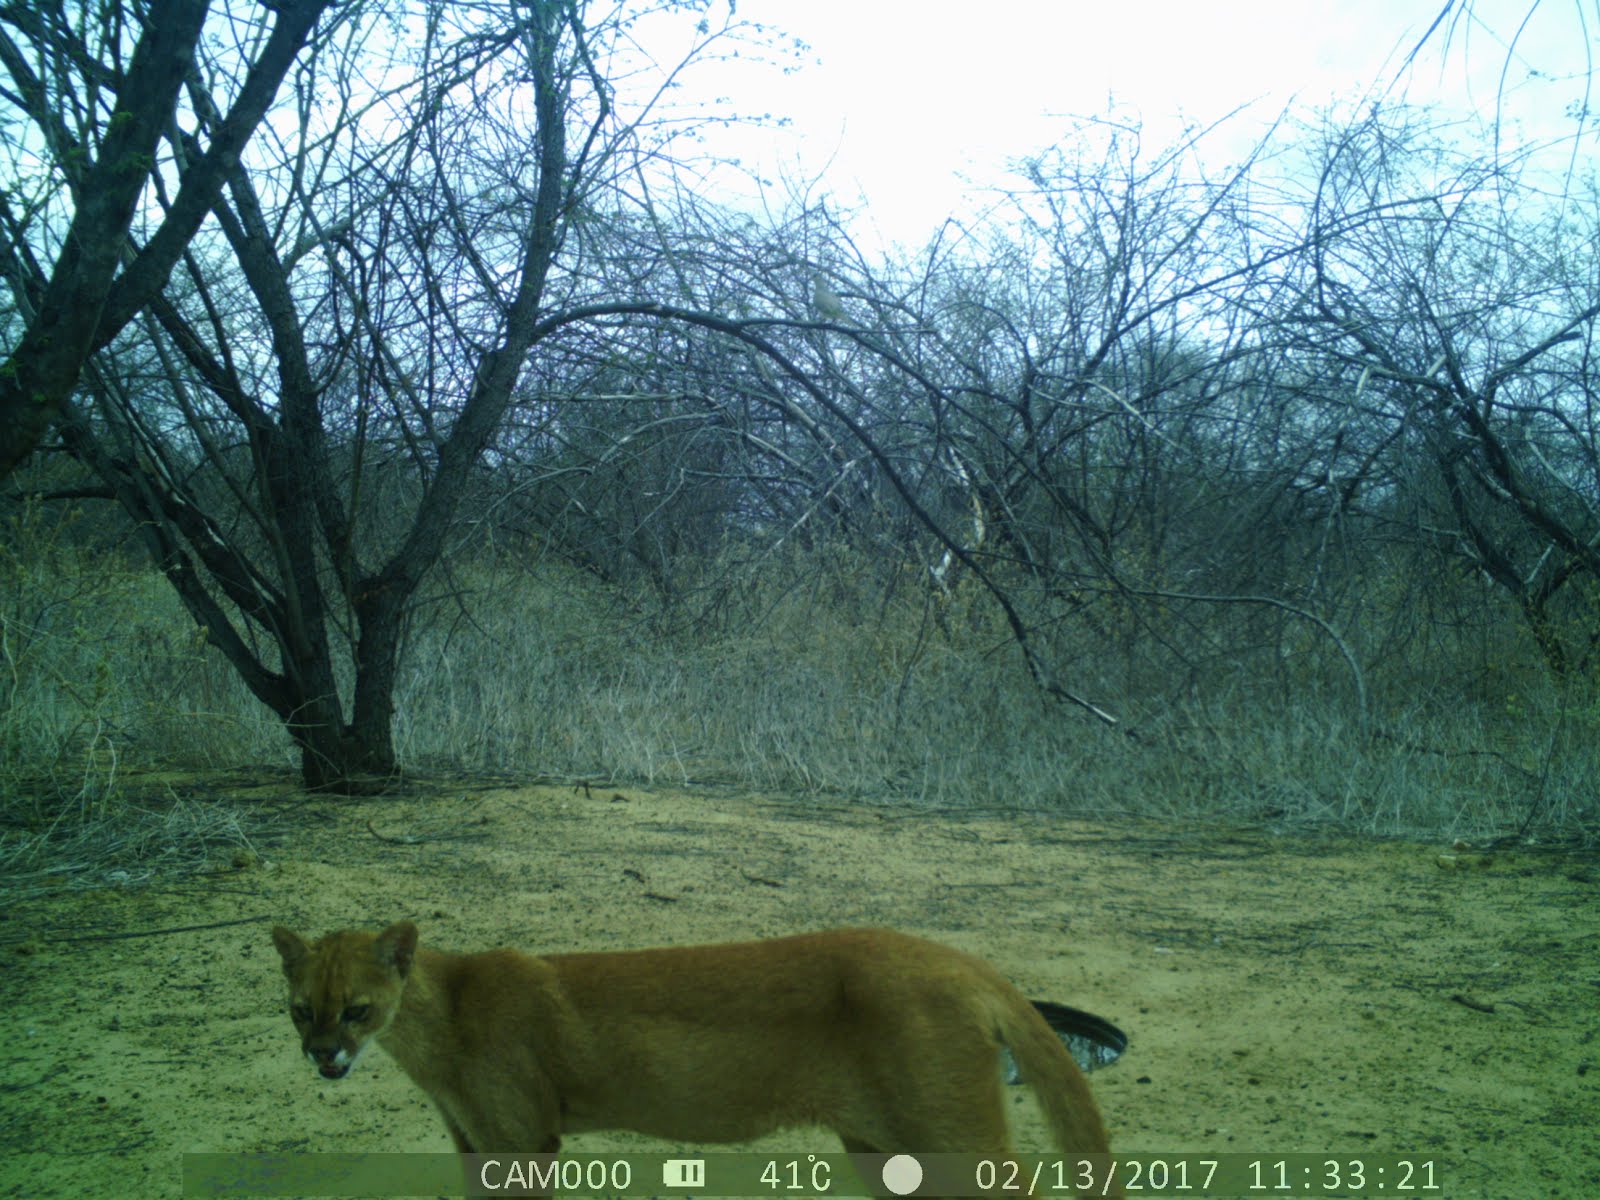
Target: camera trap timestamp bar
(811, 1174)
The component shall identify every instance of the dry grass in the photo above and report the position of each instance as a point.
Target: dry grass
(814, 682)
(123, 839)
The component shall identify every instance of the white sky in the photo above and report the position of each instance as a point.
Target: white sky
(907, 96)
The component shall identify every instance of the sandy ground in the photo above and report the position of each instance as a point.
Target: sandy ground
(1284, 993)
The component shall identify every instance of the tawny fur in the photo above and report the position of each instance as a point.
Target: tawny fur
(889, 1040)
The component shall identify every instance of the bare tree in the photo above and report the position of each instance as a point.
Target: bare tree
(303, 415)
(1031, 412)
(1448, 308)
(365, 319)
(461, 290)
(94, 93)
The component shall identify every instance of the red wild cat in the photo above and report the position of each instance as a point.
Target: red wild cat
(891, 1041)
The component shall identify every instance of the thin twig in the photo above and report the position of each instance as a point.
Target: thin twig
(139, 933)
(417, 839)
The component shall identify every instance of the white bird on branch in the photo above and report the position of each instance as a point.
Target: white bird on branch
(824, 299)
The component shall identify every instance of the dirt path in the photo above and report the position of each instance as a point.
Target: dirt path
(1283, 994)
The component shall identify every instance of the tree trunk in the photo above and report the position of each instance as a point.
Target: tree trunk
(334, 759)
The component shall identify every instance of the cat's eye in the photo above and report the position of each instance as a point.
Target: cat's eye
(356, 1012)
(300, 1012)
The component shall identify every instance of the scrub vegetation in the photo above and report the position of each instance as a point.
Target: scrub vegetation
(472, 432)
